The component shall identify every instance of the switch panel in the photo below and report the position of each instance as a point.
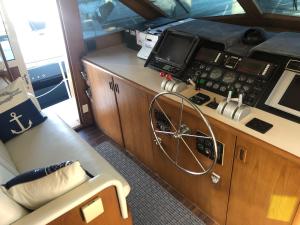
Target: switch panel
(206, 147)
(162, 123)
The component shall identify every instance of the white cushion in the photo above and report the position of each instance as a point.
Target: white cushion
(6, 161)
(34, 194)
(10, 211)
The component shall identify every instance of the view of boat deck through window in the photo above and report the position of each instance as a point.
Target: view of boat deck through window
(105, 16)
(176, 8)
(100, 17)
(286, 7)
(189, 8)
(4, 40)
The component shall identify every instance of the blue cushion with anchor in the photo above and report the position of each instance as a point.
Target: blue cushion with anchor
(19, 119)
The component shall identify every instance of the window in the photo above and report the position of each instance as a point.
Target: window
(286, 7)
(9, 55)
(190, 8)
(99, 17)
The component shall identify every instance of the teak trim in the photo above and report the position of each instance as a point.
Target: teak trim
(71, 24)
(251, 8)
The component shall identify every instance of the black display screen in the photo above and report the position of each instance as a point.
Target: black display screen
(175, 48)
(207, 55)
(290, 98)
(251, 66)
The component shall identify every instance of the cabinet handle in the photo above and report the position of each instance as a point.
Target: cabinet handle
(117, 88)
(84, 75)
(242, 155)
(89, 93)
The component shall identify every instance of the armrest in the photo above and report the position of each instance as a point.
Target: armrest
(78, 195)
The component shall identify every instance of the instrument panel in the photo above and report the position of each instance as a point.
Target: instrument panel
(220, 73)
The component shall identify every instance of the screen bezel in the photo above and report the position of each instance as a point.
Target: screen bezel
(192, 47)
(278, 92)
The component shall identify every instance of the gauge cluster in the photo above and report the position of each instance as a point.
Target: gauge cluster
(230, 73)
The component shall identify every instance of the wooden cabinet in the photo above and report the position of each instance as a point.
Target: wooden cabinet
(121, 112)
(265, 186)
(258, 185)
(104, 104)
(133, 111)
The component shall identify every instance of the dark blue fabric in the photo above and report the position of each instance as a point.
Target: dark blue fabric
(35, 174)
(25, 112)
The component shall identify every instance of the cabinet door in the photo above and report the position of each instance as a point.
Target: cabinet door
(265, 187)
(211, 198)
(133, 108)
(104, 102)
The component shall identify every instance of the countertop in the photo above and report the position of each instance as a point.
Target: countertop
(124, 63)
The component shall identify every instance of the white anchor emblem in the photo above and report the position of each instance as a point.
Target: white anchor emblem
(16, 118)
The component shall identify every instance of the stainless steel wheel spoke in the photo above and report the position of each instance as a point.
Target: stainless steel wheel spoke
(177, 151)
(188, 147)
(166, 115)
(164, 132)
(196, 136)
(180, 118)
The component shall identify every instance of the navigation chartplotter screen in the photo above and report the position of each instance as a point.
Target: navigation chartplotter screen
(290, 97)
(175, 48)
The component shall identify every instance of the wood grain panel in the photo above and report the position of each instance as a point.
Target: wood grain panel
(70, 19)
(133, 108)
(211, 198)
(257, 179)
(251, 8)
(111, 215)
(109, 40)
(104, 103)
(297, 217)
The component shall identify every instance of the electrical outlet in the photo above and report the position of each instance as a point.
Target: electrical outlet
(85, 108)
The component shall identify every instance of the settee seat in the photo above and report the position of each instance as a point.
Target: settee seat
(52, 142)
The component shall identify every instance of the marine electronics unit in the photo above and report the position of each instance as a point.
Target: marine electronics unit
(221, 72)
(284, 97)
(173, 52)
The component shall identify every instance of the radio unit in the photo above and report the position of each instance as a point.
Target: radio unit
(220, 73)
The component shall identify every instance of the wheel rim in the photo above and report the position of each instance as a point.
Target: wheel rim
(180, 133)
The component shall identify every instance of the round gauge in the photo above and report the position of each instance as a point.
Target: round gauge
(204, 75)
(215, 74)
(238, 85)
(242, 78)
(229, 77)
(209, 84)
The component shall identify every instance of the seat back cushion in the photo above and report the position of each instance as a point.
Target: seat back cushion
(10, 211)
(18, 113)
(5, 174)
(5, 160)
(39, 186)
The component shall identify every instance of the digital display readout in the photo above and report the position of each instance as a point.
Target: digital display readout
(208, 55)
(167, 67)
(231, 62)
(294, 65)
(251, 66)
(290, 95)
